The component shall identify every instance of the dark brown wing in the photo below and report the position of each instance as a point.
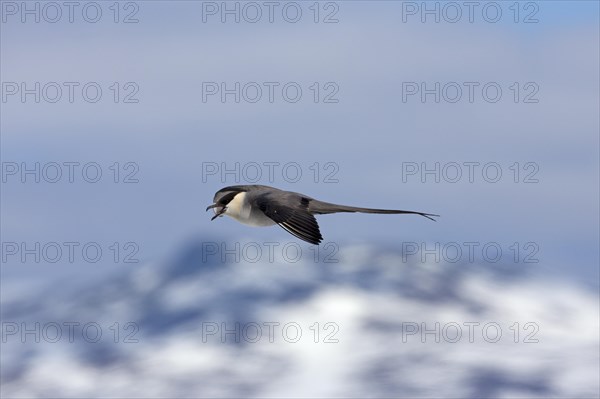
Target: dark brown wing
(290, 211)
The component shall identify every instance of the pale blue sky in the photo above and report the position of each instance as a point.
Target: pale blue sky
(368, 134)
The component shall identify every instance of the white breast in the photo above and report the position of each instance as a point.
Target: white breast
(239, 209)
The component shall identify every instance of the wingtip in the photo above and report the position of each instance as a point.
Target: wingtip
(317, 240)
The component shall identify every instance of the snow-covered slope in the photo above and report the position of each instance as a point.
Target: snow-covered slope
(372, 325)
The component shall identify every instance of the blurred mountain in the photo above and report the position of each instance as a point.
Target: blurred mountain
(374, 323)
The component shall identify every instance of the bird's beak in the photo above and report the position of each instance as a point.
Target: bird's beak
(218, 212)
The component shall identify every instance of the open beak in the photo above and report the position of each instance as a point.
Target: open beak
(218, 212)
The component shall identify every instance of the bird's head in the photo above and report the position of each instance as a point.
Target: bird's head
(222, 198)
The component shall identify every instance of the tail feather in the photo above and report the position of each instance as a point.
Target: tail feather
(322, 208)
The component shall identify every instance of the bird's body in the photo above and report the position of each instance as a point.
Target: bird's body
(258, 205)
(241, 210)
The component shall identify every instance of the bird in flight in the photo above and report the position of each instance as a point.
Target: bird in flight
(257, 205)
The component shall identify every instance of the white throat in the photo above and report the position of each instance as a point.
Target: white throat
(237, 207)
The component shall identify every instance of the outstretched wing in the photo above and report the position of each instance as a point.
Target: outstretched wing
(290, 211)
